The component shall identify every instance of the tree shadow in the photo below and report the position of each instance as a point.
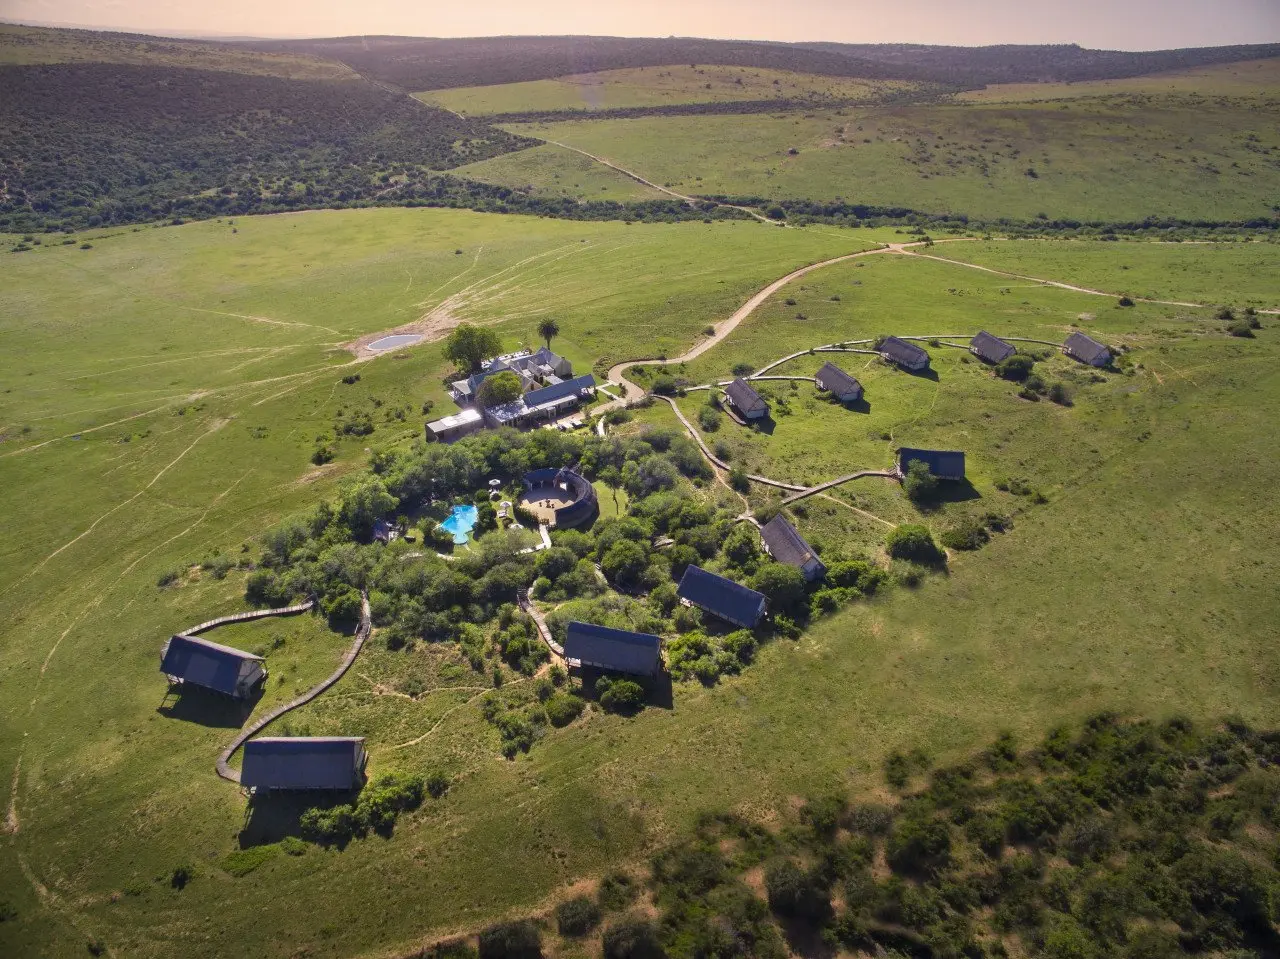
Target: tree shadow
(273, 816)
(204, 707)
(804, 938)
(659, 691)
(928, 373)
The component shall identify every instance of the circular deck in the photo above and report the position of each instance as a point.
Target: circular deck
(543, 502)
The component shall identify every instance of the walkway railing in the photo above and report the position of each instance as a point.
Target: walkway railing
(362, 633)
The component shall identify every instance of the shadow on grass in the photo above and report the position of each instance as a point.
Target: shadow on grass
(192, 704)
(928, 373)
(950, 491)
(658, 689)
(860, 405)
(273, 816)
(766, 425)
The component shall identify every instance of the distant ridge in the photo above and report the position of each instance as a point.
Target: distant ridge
(420, 63)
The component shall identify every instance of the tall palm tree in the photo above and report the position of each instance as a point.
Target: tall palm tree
(548, 330)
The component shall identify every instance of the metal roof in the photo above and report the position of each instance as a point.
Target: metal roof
(568, 388)
(944, 464)
(722, 597)
(195, 660)
(832, 378)
(302, 762)
(902, 351)
(1086, 348)
(744, 397)
(615, 649)
(446, 423)
(991, 348)
(785, 544)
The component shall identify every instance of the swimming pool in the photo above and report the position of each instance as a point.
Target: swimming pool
(460, 521)
(395, 340)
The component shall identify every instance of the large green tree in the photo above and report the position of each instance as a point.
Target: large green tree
(469, 346)
(500, 388)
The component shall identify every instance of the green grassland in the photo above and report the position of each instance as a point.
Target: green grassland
(1142, 583)
(1245, 78)
(1092, 159)
(27, 46)
(653, 87)
(552, 171)
(1235, 274)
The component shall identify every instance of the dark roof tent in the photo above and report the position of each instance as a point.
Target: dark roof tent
(722, 597)
(303, 762)
(198, 661)
(785, 544)
(944, 464)
(991, 348)
(549, 394)
(900, 351)
(614, 649)
(837, 381)
(744, 397)
(1087, 349)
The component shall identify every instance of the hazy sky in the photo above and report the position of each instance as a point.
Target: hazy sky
(1117, 24)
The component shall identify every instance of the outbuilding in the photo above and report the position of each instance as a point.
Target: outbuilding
(722, 597)
(1086, 349)
(232, 672)
(450, 428)
(904, 354)
(991, 349)
(749, 404)
(944, 464)
(784, 543)
(838, 383)
(615, 650)
(303, 763)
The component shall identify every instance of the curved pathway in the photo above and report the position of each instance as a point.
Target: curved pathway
(527, 604)
(362, 633)
(244, 617)
(632, 392)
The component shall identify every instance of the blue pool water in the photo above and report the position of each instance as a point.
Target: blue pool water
(460, 521)
(391, 342)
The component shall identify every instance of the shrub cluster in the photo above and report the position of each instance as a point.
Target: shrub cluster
(379, 805)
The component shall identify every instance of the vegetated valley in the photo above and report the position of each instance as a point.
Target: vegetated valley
(1026, 711)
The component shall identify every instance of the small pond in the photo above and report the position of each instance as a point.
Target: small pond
(460, 521)
(394, 341)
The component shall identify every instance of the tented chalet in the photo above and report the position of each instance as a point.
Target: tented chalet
(722, 597)
(990, 349)
(615, 650)
(904, 354)
(838, 383)
(749, 404)
(784, 543)
(232, 672)
(303, 763)
(1086, 349)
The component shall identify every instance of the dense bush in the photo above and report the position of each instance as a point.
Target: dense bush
(632, 939)
(919, 483)
(913, 542)
(563, 708)
(511, 940)
(577, 916)
(620, 695)
(379, 805)
(1016, 368)
(795, 893)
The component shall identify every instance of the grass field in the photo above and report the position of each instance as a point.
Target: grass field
(1142, 584)
(1246, 78)
(27, 46)
(1104, 159)
(551, 170)
(653, 87)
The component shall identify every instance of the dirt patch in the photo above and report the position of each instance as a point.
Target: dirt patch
(432, 326)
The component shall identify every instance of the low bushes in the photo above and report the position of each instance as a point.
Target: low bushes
(511, 940)
(377, 809)
(577, 916)
(563, 708)
(620, 695)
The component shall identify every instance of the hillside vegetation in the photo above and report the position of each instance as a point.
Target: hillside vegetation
(27, 46)
(431, 64)
(1123, 157)
(84, 144)
(653, 87)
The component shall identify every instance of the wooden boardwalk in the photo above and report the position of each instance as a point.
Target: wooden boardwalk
(245, 617)
(362, 633)
(527, 604)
